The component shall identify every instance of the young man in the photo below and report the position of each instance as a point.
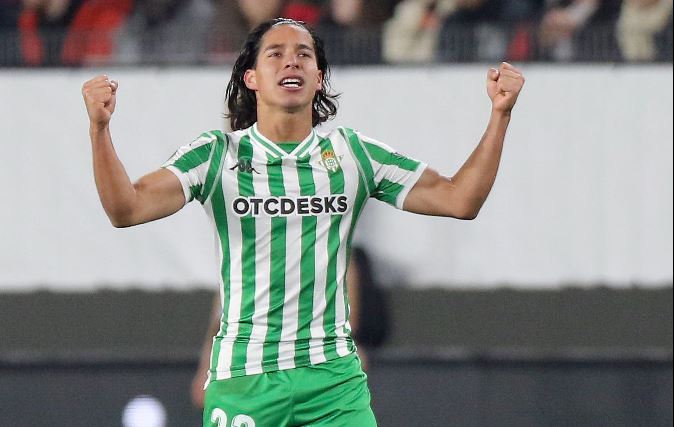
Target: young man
(284, 202)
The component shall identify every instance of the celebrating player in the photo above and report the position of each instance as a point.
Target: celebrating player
(284, 202)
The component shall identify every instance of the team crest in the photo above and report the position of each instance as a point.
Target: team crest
(330, 161)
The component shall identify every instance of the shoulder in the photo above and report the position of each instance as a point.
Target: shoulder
(342, 132)
(235, 136)
(213, 136)
(205, 139)
(354, 136)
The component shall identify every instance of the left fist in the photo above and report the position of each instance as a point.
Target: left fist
(504, 86)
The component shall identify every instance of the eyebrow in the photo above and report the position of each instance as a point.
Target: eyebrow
(300, 46)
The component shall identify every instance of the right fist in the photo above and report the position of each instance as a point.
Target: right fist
(99, 97)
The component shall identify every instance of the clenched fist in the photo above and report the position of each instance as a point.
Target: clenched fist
(504, 86)
(100, 94)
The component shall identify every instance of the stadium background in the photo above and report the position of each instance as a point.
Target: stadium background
(554, 307)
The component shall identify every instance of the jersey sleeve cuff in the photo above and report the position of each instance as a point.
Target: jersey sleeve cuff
(400, 201)
(183, 181)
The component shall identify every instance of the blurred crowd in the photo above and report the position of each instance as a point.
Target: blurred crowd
(86, 32)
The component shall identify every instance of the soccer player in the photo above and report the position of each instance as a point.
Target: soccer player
(284, 202)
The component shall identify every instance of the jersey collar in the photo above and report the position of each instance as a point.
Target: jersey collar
(275, 151)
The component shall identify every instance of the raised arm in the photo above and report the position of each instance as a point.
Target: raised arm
(154, 196)
(462, 195)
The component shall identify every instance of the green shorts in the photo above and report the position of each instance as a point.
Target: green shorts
(333, 393)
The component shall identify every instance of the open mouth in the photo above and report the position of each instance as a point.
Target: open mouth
(292, 82)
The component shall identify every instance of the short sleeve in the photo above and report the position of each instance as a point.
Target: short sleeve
(393, 175)
(190, 163)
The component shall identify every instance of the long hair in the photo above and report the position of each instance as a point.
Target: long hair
(241, 101)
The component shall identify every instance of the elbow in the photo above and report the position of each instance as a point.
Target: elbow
(467, 212)
(468, 215)
(119, 223)
(120, 219)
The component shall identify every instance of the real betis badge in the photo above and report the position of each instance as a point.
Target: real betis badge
(330, 161)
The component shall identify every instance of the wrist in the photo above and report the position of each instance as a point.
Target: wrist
(98, 128)
(501, 114)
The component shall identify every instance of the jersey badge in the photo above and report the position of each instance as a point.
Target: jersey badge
(330, 161)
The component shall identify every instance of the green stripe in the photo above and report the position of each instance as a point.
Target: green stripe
(247, 260)
(220, 217)
(277, 269)
(388, 191)
(214, 168)
(193, 158)
(361, 157)
(359, 205)
(267, 145)
(387, 158)
(365, 187)
(307, 263)
(288, 147)
(332, 281)
(195, 191)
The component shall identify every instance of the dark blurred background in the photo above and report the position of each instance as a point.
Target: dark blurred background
(98, 328)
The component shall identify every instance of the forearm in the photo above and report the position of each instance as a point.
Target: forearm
(115, 190)
(463, 195)
(476, 177)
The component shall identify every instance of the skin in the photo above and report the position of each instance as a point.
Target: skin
(285, 115)
(463, 195)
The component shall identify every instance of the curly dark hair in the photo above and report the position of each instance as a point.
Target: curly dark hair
(241, 101)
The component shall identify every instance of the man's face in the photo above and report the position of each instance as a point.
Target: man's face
(286, 75)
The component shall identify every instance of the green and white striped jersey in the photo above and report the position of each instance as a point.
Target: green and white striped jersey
(283, 225)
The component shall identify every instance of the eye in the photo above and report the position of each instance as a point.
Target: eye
(274, 54)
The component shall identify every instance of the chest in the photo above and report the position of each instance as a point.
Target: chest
(321, 182)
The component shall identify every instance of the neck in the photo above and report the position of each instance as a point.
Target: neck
(285, 127)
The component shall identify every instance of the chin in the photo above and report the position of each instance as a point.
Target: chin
(295, 107)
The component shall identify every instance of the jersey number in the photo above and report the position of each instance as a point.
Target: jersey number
(219, 417)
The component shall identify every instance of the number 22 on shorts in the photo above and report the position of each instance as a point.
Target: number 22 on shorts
(220, 417)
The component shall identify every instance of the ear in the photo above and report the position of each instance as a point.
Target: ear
(250, 79)
(319, 81)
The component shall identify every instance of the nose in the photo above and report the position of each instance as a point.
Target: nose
(292, 62)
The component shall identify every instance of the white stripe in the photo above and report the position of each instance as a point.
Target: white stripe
(202, 140)
(253, 131)
(223, 159)
(375, 142)
(286, 359)
(262, 271)
(317, 351)
(399, 176)
(343, 139)
(198, 142)
(305, 147)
